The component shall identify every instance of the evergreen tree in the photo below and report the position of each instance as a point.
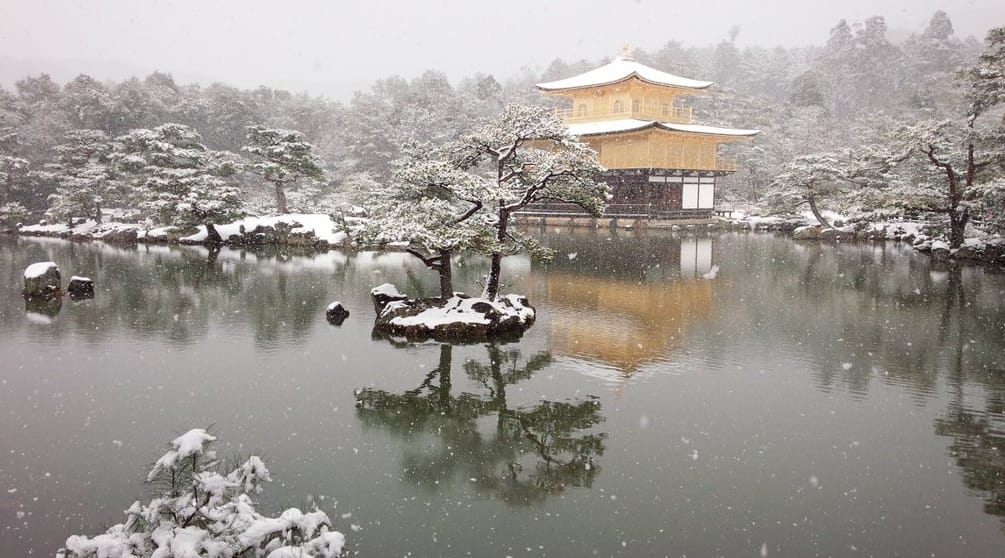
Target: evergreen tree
(84, 177)
(282, 157)
(178, 180)
(15, 180)
(435, 207)
(528, 156)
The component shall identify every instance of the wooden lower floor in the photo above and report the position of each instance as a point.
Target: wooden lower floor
(610, 222)
(653, 194)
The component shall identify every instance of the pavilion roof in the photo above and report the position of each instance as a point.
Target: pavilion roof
(620, 69)
(633, 125)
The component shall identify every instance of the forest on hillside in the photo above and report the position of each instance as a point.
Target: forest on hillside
(854, 107)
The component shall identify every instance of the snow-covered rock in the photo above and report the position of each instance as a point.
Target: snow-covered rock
(384, 295)
(940, 250)
(41, 279)
(458, 318)
(298, 229)
(336, 313)
(80, 287)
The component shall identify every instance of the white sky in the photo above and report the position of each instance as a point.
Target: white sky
(335, 46)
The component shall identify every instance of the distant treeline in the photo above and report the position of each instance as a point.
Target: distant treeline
(803, 99)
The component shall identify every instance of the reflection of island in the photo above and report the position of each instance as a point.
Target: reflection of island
(529, 453)
(624, 300)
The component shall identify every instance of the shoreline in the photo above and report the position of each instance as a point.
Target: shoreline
(320, 233)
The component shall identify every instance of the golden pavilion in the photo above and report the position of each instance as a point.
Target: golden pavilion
(660, 163)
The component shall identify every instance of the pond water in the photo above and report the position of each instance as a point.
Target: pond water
(733, 395)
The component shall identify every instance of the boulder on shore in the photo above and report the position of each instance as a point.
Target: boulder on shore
(42, 280)
(458, 318)
(940, 251)
(385, 294)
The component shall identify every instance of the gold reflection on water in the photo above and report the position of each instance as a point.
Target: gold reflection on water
(622, 324)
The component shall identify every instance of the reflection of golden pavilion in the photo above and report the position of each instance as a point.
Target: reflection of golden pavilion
(622, 324)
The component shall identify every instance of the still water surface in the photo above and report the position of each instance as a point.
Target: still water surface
(735, 395)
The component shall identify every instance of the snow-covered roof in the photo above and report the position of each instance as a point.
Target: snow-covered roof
(633, 125)
(620, 69)
(700, 129)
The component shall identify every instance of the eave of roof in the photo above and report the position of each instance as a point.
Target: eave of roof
(622, 69)
(633, 125)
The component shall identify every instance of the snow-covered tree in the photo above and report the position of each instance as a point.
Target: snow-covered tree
(179, 181)
(83, 174)
(282, 157)
(12, 213)
(807, 180)
(985, 81)
(15, 179)
(966, 159)
(527, 155)
(433, 205)
(198, 511)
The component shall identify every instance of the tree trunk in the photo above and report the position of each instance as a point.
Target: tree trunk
(212, 235)
(446, 275)
(281, 199)
(492, 285)
(816, 212)
(97, 213)
(958, 220)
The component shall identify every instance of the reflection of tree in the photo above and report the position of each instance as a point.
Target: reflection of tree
(530, 454)
(978, 435)
(978, 443)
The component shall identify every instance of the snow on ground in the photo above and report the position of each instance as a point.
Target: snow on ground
(320, 224)
(459, 310)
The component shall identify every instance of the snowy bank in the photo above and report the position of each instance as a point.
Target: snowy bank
(458, 318)
(314, 230)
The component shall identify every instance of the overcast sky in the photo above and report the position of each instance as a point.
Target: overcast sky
(333, 47)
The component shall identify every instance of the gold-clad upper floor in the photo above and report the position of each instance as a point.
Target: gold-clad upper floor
(625, 88)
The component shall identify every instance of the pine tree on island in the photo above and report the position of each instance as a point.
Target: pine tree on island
(526, 156)
(432, 206)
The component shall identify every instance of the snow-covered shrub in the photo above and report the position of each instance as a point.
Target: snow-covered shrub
(12, 213)
(197, 512)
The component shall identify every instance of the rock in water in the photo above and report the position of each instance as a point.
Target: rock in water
(336, 313)
(383, 295)
(80, 288)
(41, 280)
